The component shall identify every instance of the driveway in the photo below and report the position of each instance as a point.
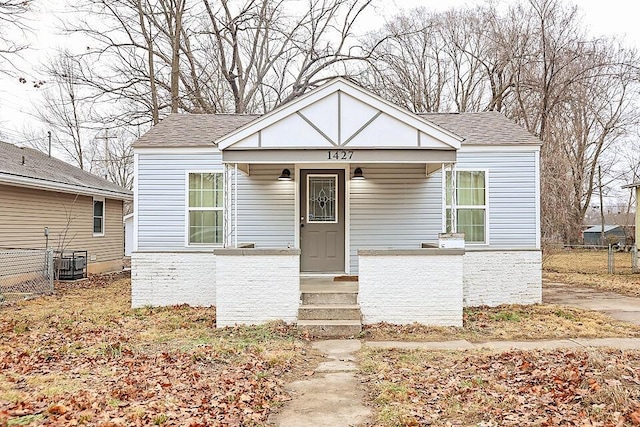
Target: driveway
(618, 306)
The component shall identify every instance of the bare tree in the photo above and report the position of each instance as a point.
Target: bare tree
(575, 93)
(12, 24)
(410, 65)
(533, 61)
(116, 157)
(207, 57)
(66, 111)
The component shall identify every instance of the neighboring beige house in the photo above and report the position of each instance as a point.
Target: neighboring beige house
(81, 211)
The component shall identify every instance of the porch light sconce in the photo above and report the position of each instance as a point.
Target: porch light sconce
(285, 175)
(357, 174)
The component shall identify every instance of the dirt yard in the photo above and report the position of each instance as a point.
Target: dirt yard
(514, 388)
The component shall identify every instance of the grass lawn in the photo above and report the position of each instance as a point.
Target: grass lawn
(513, 388)
(83, 356)
(511, 322)
(589, 268)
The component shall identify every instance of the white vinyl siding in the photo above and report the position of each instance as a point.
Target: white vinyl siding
(162, 197)
(511, 195)
(266, 207)
(396, 206)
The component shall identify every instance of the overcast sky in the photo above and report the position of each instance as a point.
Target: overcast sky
(611, 17)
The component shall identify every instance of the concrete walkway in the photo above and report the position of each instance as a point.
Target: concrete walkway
(620, 307)
(332, 397)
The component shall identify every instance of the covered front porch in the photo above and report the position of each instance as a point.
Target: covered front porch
(336, 171)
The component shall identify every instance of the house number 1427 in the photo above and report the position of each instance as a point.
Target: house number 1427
(339, 154)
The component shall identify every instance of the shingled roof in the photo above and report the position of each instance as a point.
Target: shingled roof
(192, 130)
(29, 167)
(200, 130)
(483, 128)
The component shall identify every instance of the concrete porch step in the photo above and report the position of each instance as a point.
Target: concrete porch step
(329, 312)
(329, 298)
(330, 328)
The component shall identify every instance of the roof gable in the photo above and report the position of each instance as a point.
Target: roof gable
(340, 114)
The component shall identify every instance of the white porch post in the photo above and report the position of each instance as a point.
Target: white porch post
(226, 208)
(230, 205)
(235, 205)
(454, 199)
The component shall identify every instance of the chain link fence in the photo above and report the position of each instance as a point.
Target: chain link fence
(25, 273)
(591, 259)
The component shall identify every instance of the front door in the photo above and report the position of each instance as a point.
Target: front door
(322, 221)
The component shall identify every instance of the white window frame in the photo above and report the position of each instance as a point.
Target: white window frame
(337, 201)
(93, 215)
(188, 209)
(445, 206)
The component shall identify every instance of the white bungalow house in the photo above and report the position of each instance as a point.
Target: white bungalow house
(240, 211)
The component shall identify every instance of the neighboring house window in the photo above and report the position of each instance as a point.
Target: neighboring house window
(205, 209)
(471, 205)
(98, 217)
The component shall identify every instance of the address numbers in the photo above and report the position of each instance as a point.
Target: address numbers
(339, 154)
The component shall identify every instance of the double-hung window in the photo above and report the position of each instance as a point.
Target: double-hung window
(205, 208)
(98, 217)
(471, 204)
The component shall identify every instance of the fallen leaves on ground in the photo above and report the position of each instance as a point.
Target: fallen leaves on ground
(511, 322)
(83, 357)
(513, 388)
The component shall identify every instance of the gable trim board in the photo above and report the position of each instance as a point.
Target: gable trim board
(398, 207)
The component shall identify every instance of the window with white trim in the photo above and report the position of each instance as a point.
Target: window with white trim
(205, 208)
(98, 217)
(471, 205)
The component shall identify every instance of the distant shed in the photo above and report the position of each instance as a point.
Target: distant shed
(128, 234)
(612, 234)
